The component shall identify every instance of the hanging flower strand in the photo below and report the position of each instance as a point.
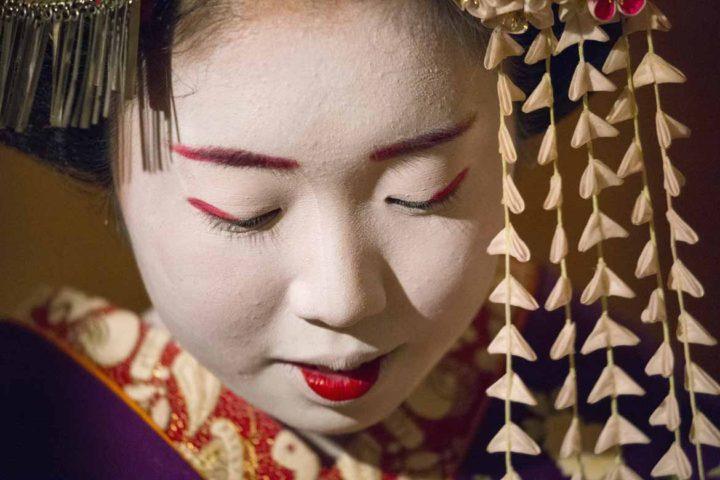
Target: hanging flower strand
(509, 292)
(542, 97)
(653, 70)
(581, 27)
(582, 20)
(675, 461)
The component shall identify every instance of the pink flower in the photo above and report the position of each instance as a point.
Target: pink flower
(604, 10)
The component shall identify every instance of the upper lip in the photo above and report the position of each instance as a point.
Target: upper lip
(333, 362)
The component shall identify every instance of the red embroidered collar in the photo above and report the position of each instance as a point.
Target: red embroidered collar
(223, 436)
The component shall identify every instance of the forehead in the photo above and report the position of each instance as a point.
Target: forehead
(301, 86)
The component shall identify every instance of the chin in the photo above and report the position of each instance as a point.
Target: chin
(328, 421)
(343, 418)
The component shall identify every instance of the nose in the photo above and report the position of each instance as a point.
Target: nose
(341, 280)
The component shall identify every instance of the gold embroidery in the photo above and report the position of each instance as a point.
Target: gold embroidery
(199, 392)
(199, 388)
(254, 440)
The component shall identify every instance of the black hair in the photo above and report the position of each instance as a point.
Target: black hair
(85, 154)
(562, 68)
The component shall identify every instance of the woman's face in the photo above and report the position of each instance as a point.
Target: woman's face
(329, 203)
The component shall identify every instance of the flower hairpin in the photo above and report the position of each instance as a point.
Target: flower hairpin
(605, 10)
(512, 16)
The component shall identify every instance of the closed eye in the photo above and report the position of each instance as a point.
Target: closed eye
(255, 222)
(222, 220)
(425, 205)
(439, 199)
(245, 226)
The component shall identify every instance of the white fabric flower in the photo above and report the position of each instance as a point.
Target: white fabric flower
(494, 12)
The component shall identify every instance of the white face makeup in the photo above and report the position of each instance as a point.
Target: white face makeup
(340, 270)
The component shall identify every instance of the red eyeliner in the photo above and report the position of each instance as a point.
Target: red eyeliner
(450, 188)
(216, 212)
(210, 209)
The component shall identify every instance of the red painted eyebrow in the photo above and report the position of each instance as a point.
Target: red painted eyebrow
(421, 142)
(234, 157)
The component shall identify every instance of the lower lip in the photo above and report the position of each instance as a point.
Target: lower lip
(342, 385)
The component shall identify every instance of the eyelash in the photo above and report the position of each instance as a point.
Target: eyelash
(243, 227)
(426, 206)
(257, 224)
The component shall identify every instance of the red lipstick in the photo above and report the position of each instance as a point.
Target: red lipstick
(339, 385)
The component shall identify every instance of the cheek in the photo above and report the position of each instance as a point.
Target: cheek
(215, 295)
(448, 272)
(441, 262)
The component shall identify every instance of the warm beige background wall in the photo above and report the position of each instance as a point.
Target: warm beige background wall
(53, 231)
